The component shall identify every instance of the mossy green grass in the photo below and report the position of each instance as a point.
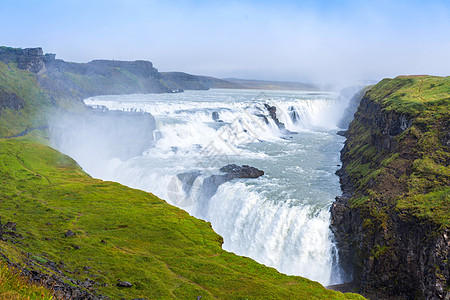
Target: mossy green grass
(414, 179)
(15, 287)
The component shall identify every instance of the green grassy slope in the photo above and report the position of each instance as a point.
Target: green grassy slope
(159, 248)
(25, 86)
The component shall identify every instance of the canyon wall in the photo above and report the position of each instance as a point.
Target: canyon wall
(392, 221)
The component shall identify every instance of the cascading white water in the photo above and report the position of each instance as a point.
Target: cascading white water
(280, 219)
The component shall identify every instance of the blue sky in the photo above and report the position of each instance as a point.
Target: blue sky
(314, 41)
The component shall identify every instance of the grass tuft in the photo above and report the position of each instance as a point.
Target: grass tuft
(15, 287)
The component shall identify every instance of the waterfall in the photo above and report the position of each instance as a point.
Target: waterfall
(280, 219)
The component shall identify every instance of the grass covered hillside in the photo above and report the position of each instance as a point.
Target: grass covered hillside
(82, 236)
(22, 101)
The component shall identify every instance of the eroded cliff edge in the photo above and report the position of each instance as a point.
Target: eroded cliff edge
(392, 222)
(77, 81)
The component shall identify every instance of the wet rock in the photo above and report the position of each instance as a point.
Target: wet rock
(188, 179)
(215, 116)
(245, 171)
(273, 115)
(295, 117)
(341, 133)
(211, 183)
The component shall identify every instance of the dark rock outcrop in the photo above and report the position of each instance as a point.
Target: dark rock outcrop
(183, 194)
(187, 180)
(8, 233)
(75, 291)
(215, 116)
(69, 233)
(30, 59)
(124, 284)
(273, 115)
(57, 283)
(232, 171)
(10, 100)
(295, 117)
(270, 113)
(212, 183)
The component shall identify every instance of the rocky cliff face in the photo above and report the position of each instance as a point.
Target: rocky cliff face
(10, 100)
(99, 77)
(392, 233)
(30, 59)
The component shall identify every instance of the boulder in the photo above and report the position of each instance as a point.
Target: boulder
(244, 171)
(69, 233)
(232, 171)
(124, 284)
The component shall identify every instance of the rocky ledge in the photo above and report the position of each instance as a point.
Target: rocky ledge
(10, 100)
(58, 281)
